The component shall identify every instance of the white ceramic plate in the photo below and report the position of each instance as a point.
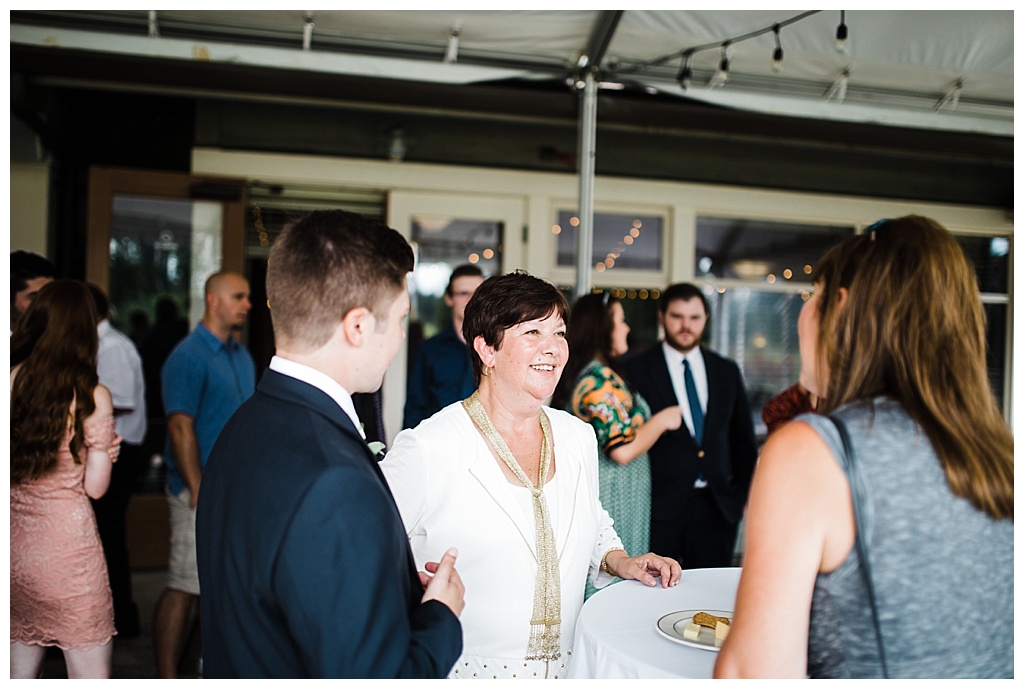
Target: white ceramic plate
(671, 627)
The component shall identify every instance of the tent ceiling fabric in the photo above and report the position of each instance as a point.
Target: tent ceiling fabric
(901, 64)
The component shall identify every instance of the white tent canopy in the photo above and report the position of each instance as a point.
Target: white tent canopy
(946, 70)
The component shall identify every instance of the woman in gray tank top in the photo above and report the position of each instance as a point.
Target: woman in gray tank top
(893, 343)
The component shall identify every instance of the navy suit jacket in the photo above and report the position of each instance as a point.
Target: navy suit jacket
(729, 449)
(304, 564)
(441, 374)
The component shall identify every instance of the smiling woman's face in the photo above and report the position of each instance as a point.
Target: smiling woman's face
(532, 356)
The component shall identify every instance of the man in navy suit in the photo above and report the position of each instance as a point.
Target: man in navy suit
(700, 473)
(304, 563)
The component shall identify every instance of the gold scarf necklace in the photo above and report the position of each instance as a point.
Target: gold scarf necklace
(545, 623)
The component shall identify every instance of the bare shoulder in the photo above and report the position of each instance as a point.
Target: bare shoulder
(799, 481)
(796, 449)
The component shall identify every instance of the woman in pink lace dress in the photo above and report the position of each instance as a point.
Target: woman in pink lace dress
(62, 427)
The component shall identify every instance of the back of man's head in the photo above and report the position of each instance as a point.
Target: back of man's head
(327, 264)
(102, 303)
(26, 266)
(464, 270)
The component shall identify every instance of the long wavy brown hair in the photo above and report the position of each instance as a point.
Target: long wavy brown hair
(912, 328)
(55, 343)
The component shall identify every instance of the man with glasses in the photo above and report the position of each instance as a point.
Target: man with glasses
(441, 373)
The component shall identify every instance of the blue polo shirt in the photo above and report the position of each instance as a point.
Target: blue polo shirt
(207, 380)
(441, 374)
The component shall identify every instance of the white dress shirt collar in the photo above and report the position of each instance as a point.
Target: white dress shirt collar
(674, 361)
(321, 381)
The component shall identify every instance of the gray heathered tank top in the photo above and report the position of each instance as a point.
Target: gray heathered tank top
(943, 571)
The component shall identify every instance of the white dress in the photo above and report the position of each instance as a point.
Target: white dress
(451, 492)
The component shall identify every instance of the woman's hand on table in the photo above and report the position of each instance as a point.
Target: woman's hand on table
(644, 568)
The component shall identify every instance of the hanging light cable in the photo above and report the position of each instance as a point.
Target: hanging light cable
(842, 33)
(777, 55)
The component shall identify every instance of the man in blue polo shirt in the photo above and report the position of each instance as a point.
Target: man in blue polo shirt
(205, 379)
(441, 373)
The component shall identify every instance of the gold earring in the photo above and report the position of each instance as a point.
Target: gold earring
(486, 370)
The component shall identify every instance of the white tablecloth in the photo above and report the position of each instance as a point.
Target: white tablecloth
(616, 635)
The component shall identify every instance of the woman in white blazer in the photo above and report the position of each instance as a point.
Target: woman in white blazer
(469, 477)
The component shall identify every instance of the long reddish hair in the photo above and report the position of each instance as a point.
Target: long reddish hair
(55, 343)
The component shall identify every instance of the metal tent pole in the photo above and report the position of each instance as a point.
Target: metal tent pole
(587, 153)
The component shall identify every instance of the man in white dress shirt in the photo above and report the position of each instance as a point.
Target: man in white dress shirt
(119, 368)
(701, 472)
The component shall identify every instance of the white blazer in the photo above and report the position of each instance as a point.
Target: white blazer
(451, 492)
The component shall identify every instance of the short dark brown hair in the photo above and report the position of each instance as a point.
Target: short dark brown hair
(327, 264)
(684, 291)
(465, 270)
(504, 301)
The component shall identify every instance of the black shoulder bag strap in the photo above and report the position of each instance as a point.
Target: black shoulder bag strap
(857, 495)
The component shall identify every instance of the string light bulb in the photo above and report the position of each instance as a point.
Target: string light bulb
(837, 91)
(842, 33)
(951, 99)
(307, 30)
(685, 76)
(777, 55)
(722, 75)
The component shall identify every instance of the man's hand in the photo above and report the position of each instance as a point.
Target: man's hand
(444, 583)
(644, 568)
(115, 448)
(193, 495)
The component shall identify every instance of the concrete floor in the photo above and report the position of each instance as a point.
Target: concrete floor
(133, 658)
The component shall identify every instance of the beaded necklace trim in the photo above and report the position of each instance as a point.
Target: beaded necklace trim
(546, 621)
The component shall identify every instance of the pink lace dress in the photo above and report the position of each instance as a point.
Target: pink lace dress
(60, 593)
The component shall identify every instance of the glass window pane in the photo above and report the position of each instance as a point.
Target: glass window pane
(640, 306)
(757, 329)
(762, 251)
(995, 336)
(442, 243)
(991, 259)
(160, 250)
(633, 242)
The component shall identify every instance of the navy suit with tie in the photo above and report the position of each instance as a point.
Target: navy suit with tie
(692, 522)
(304, 564)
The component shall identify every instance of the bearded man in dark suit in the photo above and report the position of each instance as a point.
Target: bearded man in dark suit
(305, 566)
(700, 473)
